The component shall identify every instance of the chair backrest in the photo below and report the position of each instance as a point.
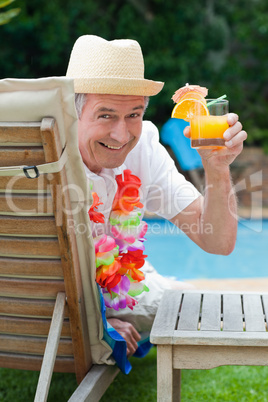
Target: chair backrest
(38, 254)
(46, 240)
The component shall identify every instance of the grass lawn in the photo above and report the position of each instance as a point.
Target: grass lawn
(235, 383)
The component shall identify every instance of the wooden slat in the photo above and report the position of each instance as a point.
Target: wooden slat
(22, 204)
(190, 311)
(33, 362)
(32, 345)
(26, 307)
(20, 132)
(232, 313)
(207, 357)
(246, 338)
(22, 183)
(30, 267)
(211, 312)
(24, 225)
(254, 317)
(95, 383)
(17, 156)
(253, 305)
(30, 287)
(166, 318)
(51, 349)
(18, 246)
(30, 326)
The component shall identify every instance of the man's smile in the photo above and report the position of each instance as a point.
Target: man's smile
(111, 146)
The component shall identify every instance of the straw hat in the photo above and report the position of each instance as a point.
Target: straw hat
(109, 67)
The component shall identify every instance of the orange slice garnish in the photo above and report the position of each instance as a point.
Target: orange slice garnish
(188, 108)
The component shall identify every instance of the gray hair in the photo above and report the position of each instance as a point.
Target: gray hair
(81, 100)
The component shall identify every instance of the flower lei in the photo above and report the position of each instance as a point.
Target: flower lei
(119, 258)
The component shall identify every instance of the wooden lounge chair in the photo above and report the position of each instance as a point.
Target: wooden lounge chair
(49, 309)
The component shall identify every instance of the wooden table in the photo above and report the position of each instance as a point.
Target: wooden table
(203, 330)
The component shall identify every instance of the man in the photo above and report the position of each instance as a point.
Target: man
(113, 137)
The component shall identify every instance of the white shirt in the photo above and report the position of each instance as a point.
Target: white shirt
(164, 191)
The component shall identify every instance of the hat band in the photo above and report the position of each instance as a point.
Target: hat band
(117, 86)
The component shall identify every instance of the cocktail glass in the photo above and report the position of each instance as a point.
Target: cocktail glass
(207, 131)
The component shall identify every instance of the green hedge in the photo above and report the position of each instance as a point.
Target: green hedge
(217, 44)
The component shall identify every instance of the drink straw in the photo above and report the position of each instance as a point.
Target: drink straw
(216, 100)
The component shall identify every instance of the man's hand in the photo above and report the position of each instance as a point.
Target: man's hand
(128, 332)
(234, 137)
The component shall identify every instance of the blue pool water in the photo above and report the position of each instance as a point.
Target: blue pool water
(173, 254)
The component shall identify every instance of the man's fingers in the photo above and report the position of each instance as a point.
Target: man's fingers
(232, 118)
(128, 332)
(132, 337)
(238, 139)
(232, 131)
(135, 334)
(186, 131)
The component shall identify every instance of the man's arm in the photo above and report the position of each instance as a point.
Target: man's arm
(211, 221)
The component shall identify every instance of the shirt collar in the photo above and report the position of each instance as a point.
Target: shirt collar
(111, 172)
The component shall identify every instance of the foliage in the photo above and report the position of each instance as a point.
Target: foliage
(6, 16)
(217, 44)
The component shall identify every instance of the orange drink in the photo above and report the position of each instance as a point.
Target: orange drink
(207, 117)
(207, 131)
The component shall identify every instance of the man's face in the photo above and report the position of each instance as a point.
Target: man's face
(109, 127)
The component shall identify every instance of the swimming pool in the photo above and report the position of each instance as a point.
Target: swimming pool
(173, 254)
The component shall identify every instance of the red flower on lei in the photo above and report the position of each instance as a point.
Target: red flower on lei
(107, 276)
(93, 213)
(127, 196)
(131, 262)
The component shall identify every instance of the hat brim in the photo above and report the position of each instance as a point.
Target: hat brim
(117, 86)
